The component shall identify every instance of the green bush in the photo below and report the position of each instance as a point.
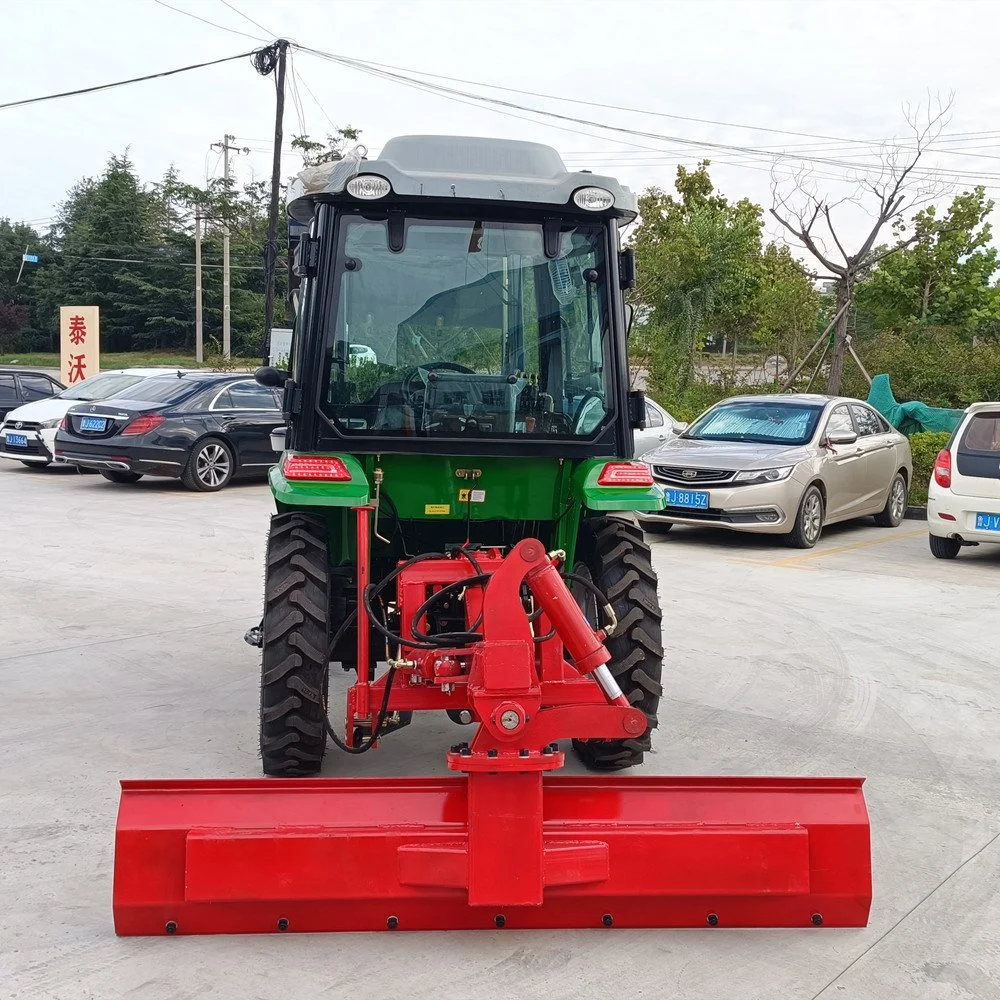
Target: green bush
(925, 448)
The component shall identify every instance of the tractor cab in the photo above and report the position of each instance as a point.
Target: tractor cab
(460, 296)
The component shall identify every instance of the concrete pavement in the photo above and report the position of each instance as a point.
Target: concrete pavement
(123, 610)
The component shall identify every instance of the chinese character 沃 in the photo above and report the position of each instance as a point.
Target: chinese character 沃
(77, 330)
(77, 368)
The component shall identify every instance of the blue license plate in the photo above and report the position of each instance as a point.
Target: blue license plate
(984, 522)
(93, 423)
(17, 441)
(687, 498)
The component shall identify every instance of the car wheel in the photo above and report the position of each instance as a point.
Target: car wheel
(210, 467)
(944, 548)
(808, 521)
(892, 514)
(121, 477)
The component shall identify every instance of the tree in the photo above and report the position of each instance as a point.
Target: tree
(17, 297)
(809, 217)
(943, 279)
(788, 304)
(314, 153)
(698, 258)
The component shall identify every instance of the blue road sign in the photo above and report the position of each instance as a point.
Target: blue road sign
(30, 258)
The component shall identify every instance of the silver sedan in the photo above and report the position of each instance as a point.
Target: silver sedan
(783, 465)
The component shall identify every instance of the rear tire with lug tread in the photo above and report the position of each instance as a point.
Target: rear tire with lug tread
(113, 476)
(808, 520)
(892, 514)
(210, 467)
(617, 559)
(944, 548)
(295, 670)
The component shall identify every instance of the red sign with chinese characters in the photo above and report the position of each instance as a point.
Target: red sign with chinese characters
(80, 342)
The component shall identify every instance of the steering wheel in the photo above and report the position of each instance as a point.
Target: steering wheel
(407, 386)
(587, 404)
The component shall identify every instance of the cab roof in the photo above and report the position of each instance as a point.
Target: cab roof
(459, 167)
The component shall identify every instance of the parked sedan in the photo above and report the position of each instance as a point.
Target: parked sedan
(963, 499)
(660, 427)
(28, 434)
(23, 385)
(783, 465)
(202, 428)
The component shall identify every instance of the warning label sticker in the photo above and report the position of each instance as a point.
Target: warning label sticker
(472, 496)
(437, 508)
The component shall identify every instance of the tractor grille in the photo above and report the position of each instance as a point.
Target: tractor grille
(675, 474)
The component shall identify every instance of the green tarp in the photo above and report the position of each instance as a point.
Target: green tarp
(910, 418)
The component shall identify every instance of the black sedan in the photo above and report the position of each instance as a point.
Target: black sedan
(24, 385)
(202, 428)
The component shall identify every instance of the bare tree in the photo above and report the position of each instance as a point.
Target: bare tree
(809, 217)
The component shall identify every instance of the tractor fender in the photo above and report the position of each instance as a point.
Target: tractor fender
(592, 496)
(291, 493)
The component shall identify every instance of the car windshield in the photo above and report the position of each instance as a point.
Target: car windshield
(469, 329)
(758, 422)
(100, 386)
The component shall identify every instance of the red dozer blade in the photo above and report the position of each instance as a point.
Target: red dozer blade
(490, 850)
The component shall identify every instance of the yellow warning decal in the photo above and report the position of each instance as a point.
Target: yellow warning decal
(437, 508)
(472, 496)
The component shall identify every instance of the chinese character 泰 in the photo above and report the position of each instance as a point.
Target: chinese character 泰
(77, 368)
(77, 330)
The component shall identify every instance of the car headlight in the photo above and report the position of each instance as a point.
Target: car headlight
(763, 475)
(54, 422)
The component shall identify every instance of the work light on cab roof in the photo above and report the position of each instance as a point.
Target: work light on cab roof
(453, 529)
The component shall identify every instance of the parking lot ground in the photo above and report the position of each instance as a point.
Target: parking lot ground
(123, 610)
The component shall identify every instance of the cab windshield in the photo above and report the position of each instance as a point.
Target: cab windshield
(469, 329)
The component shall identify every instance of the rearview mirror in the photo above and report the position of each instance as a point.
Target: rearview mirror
(680, 428)
(841, 437)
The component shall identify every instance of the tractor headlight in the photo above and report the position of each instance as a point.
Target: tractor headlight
(593, 199)
(764, 475)
(368, 187)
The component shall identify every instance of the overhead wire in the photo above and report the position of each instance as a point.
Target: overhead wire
(246, 17)
(205, 20)
(123, 83)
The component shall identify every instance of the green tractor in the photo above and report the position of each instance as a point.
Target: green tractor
(459, 381)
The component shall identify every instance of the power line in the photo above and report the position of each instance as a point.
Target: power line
(205, 20)
(246, 17)
(123, 83)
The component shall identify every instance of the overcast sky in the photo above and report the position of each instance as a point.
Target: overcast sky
(840, 69)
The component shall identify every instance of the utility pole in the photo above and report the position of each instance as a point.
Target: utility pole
(199, 326)
(226, 328)
(271, 247)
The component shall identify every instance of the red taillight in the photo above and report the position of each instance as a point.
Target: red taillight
(327, 468)
(625, 474)
(64, 423)
(942, 469)
(143, 425)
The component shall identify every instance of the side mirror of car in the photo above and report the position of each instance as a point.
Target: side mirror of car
(273, 378)
(680, 428)
(278, 439)
(840, 437)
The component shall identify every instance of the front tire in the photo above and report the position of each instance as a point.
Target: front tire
(944, 548)
(121, 477)
(892, 514)
(211, 466)
(295, 666)
(808, 520)
(616, 558)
